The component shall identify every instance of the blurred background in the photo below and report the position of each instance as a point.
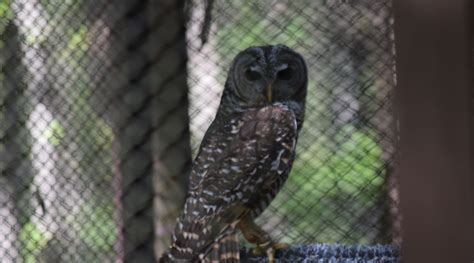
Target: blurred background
(103, 105)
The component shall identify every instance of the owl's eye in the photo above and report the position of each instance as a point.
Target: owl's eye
(252, 75)
(285, 74)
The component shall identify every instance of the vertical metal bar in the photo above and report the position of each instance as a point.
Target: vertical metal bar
(434, 53)
(170, 139)
(135, 128)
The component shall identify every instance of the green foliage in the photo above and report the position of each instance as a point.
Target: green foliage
(5, 8)
(32, 240)
(325, 181)
(255, 31)
(6, 15)
(54, 132)
(357, 161)
(76, 46)
(96, 226)
(57, 10)
(97, 138)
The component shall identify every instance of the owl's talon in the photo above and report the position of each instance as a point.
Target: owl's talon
(273, 249)
(262, 249)
(269, 250)
(280, 246)
(258, 251)
(271, 254)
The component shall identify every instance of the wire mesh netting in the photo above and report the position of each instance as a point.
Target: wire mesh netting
(97, 135)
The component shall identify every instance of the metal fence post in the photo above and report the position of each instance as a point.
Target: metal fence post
(434, 52)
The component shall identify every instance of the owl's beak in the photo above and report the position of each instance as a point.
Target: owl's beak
(269, 92)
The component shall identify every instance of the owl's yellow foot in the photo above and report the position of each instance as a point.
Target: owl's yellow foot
(269, 249)
(280, 246)
(258, 251)
(256, 235)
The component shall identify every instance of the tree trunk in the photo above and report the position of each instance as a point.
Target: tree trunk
(171, 148)
(16, 172)
(152, 124)
(133, 127)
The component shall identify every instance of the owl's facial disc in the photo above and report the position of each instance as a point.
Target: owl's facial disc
(267, 74)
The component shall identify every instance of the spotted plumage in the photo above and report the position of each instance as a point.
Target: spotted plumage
(244, 158)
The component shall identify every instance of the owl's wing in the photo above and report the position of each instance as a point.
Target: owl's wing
(235, 163)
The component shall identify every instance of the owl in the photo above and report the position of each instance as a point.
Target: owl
(244, 158)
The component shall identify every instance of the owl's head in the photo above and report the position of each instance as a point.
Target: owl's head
(263, 75)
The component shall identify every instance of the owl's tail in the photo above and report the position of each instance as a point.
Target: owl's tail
(227, 250)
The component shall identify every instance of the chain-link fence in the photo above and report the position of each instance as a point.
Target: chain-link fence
(97, 135)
